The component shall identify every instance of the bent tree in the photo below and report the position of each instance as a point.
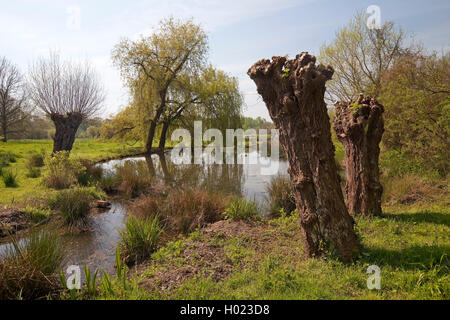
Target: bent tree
(359, 126)
(293, 91)
(68, 93)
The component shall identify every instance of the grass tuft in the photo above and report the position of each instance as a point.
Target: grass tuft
(139, 239)
(29, 267)
(242, 209)
(281, 195)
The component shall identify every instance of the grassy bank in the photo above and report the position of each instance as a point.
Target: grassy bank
(26, 187)
(265, 260)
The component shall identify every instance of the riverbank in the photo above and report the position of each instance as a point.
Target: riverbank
(265, 260)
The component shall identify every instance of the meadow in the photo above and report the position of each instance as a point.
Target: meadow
(28, 188)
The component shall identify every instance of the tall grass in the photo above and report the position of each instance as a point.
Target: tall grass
(28, 269)
(91, 175)
(139, 239)
(182, 210)
(73, 204)
(9, 178)
(280, 194)
(133, 178)
(241, 209)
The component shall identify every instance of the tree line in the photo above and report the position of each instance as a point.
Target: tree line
(170, 81)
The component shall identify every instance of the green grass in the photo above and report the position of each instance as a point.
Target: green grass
(241, 209)
(31, 188)
(74, 204)
(29, 268)
(9, 178)
(139, 239)
(409, 244)
(36, 215)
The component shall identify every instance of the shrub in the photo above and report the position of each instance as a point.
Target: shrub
(74, 204)
(182, 210)
(9, 178)
(139, 239)
(61, 171)
(241, 209)
(281, 195)
(29, 268)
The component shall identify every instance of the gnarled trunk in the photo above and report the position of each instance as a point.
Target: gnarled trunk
(66, 128)
(293, 91)
(359, 126)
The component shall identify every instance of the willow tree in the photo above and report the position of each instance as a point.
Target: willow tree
(68, 93)
(13, 105)
(359, 126)
(158, 60)
(293, 91)
(360, 56)
(212, 97)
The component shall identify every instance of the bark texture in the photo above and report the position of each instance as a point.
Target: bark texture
(66, 128)
(359, 126)
(293, 91)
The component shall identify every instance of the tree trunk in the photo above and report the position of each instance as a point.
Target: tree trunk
(66, 128)
(359, 126)
(5, 133)
(293, 91)
(162, 139)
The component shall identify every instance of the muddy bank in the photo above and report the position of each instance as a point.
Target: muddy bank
(12, 221)
(204, 255)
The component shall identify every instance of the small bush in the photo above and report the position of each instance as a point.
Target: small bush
(242, 209)
(9, 178)
(61, 171)
(74, 204)
(28, 269)
(139, 239)
(281, 195)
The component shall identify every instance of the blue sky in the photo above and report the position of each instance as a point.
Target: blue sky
(241, 32)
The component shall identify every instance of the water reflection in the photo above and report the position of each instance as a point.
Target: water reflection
(249, 179)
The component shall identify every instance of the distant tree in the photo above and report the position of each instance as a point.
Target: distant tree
(213, 98)
(152, 64)
(416, 93)
(69, 93)
(359, 56)
(13, 105)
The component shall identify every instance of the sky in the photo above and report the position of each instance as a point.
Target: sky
(240, 32)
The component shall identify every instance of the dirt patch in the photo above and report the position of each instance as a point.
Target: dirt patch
(12, 221)
(204, 258)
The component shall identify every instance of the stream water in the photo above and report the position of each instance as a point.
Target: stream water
(96, 247)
